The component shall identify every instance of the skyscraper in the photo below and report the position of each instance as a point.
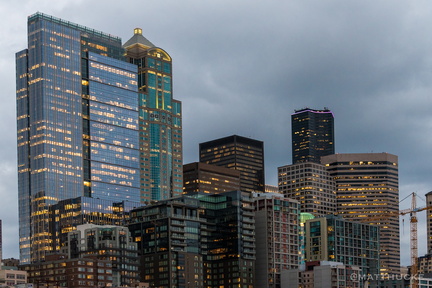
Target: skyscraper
(310, 184)
(80, 113)
(312, 135)
(429, 222)
(160, 124)
(239, 153)
(367, 188)
(276, 218)
(197, 240)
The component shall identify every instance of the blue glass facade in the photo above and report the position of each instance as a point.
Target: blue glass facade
(49, 131)
(77, 124)
(113, 106)
(159, 121)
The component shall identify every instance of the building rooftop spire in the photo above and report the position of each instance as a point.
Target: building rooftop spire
(138, 39)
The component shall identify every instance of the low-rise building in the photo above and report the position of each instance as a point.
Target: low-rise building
(11, 277)
(58, 271)
(322, 274)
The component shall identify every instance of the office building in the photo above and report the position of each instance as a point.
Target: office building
(425, 264)
(59, 271)
(277, 237)
(196, 240)
(80, 111)
(160, 125)
(310, 184)
(240, 153)
(66, 215)
(367, 190)
(202, 177)
(429, 222)
(323, 274)
(337, 239)
(312, 135)
(106, 242)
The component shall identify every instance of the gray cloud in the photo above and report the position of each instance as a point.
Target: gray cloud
(243, 67)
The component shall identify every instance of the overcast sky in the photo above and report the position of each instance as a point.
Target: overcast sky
(242, 67)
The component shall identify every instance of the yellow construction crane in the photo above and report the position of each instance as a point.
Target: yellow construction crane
(413, 236)
(413, 232)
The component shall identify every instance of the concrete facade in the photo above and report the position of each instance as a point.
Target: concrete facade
(202, 177)
(367, 190)
(310, 184)
(277, 237)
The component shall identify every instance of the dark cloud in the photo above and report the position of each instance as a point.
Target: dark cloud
(243, 67)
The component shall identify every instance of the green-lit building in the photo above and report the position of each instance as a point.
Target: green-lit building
(160, 123)
(302, 234)
(333, 238)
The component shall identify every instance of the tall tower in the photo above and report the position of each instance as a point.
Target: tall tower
(429, 222)
(239, 153)
(276, 218)
(367, 187)
(160, 125)
(79, 119)
(312, 135)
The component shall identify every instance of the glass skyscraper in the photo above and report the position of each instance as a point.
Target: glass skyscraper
(312, 135)
(79, 113)
(160, 125)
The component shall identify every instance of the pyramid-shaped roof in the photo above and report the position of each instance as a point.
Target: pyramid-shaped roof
(139, 39)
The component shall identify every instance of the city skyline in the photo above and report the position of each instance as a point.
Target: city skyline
(384, 119)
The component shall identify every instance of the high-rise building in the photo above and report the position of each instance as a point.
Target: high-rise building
(310, 184)
(80, 112)
(197, 240)
(201, 177)
(312, 135)
(160, 124)
(276, 237)
(429, 222)
(337, 239)
(367, 189)
(239, 153)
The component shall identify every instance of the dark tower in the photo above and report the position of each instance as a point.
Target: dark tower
(239, 153)
(312, 135)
